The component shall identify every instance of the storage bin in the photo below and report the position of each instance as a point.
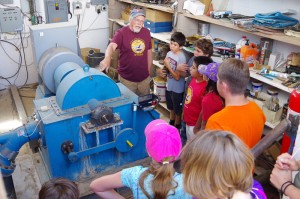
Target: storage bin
(151, 24)
(156, 27)
(272, 116)
(94, 59)
(85, 51)
(160, 29)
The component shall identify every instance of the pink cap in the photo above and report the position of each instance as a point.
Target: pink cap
(162, 140)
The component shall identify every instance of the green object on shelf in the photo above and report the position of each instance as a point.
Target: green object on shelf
(189, 49)
(33, 20)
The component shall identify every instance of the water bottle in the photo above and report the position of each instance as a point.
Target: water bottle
(239, 45)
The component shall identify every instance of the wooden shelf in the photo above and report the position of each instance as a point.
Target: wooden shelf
(271, 125)
(162, 36)
(275, 82)
(164, 8)
(118, 21)
(278, 37)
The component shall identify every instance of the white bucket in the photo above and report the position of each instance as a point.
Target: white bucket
(160, 88)
(256, 87)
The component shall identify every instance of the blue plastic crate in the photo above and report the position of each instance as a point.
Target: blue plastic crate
(156, 27)
(160, 29)
(151, 24)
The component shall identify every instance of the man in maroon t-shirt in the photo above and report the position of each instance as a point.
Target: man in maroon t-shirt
(135, 61)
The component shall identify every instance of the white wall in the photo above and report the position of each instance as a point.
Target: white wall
(93, 32)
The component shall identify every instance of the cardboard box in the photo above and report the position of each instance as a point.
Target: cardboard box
(194, 7)
(207, 5)
(158, 16)
(125, 16)
(85, 51)
(114, 63)
(272, 116)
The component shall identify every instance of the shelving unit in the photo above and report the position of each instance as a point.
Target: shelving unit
(275, 82)
(228, 24)
(161, 7)
(165, 37)
(271, 125)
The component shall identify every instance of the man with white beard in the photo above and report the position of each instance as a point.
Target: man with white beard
(135, 60)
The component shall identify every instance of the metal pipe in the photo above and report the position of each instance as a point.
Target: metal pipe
(273, 135)
(97, 138)
(10, 149)
(9, 187)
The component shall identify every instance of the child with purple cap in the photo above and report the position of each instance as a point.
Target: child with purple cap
(160, 180)
(212, 102)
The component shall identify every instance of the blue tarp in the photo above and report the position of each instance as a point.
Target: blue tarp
(275, 20)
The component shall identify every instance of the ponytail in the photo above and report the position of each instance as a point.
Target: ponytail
(162, 181)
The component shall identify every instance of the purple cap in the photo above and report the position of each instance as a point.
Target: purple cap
(136, 12)
(210, 70)
(162, 140)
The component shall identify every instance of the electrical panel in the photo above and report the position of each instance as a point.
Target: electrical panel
(6, 1)
(56, 11)
(10, 20)
(45, 36)
(99, 2)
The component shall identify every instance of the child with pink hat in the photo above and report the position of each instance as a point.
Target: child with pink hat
(159, 180)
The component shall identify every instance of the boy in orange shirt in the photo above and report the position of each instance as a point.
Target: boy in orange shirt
(240, 116)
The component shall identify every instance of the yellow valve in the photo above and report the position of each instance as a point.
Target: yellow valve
(129, 143)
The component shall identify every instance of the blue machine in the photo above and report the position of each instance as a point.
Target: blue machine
(91, 124)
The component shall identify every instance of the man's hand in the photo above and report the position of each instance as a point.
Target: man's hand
(104, 65)
(161, 72)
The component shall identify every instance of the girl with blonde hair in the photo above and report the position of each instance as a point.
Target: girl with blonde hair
(217, 164)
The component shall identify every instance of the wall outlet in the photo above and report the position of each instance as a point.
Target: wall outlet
(104, 7)
(77, 8)
(98, 8)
